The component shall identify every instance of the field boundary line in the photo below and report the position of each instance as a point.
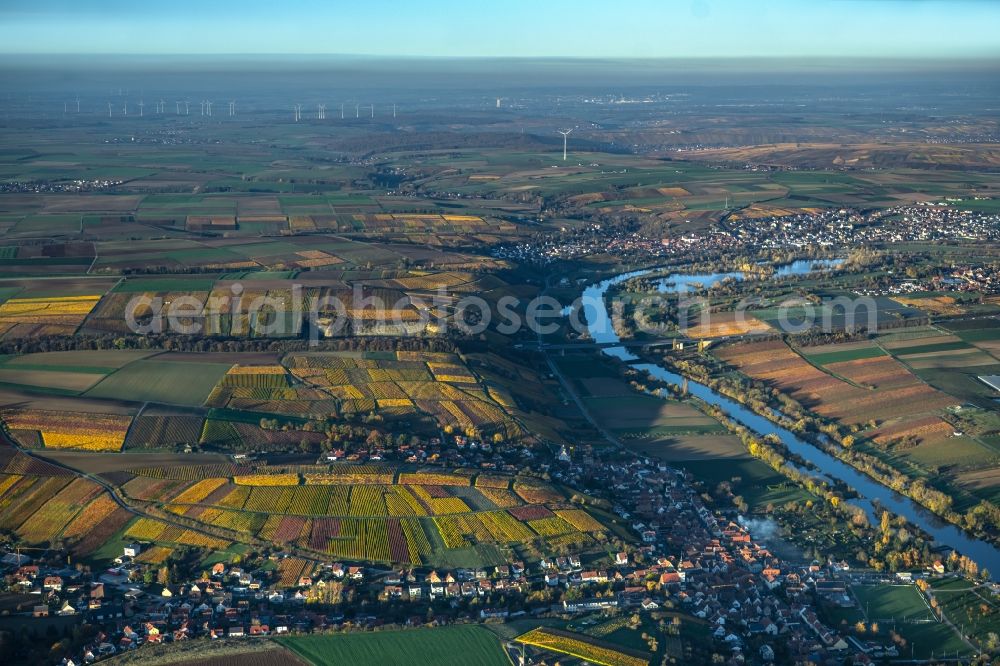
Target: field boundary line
(829, 373)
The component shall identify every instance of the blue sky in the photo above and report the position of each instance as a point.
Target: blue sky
(531, 28)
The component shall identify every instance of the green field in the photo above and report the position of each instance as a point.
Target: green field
(902, 609)
(101, 361)
(841, 356)
(930, 640)
(168, 382)
(963, 383)
(440, 646)
(927, 349)
(757, 483)
(133, 285)
(886, 602)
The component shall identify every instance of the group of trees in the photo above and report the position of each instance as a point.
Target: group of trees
(184, 343)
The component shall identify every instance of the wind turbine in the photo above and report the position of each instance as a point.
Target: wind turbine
(163, 106)
(357, 110)
(125, 108)
(565, 136)
(298, 112)
(141, 105)
(341, 110)
(373, 110)
(321, 112)
(187, 108)
(202, 107)
(78, 104)
(109, 109)
(65, 107)
(232, 108)
(393, 110)
(209, 107)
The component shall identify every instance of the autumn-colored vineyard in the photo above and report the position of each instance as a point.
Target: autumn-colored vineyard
(71, 430)
(582, 647)
(389, 521)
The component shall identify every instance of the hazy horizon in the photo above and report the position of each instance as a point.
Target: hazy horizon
(560, 28)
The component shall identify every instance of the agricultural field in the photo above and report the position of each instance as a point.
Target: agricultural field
(874, 388)
(583, 647)
(63, 373)
(45, 315)
(207, 236)
(235, 278)
(759, 485)
(653, 425)
(373, 519)
(44, 504)
(163, 380)
(217, 400)
(723, 324)
(954, 360)
(361, 513)
(67, 430)
(456, 646)
(162, 428)
(910, 415)
(437, 385)
(221, 652)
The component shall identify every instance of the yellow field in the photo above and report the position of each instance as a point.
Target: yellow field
(267, 480)
(301, 223)
(81, 440)
(67, 305)
(63, 311)
(7, 481)
(581, 520)
(198, 491)
(721, 324)
(463, 218)
(438, 385)
(580, 648)
(146, 529)
(673, 191)
(72, 430)
(155, 555)
(395, 402)
(256, 370)
(939, 305)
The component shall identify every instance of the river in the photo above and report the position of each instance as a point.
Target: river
(601, 330)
